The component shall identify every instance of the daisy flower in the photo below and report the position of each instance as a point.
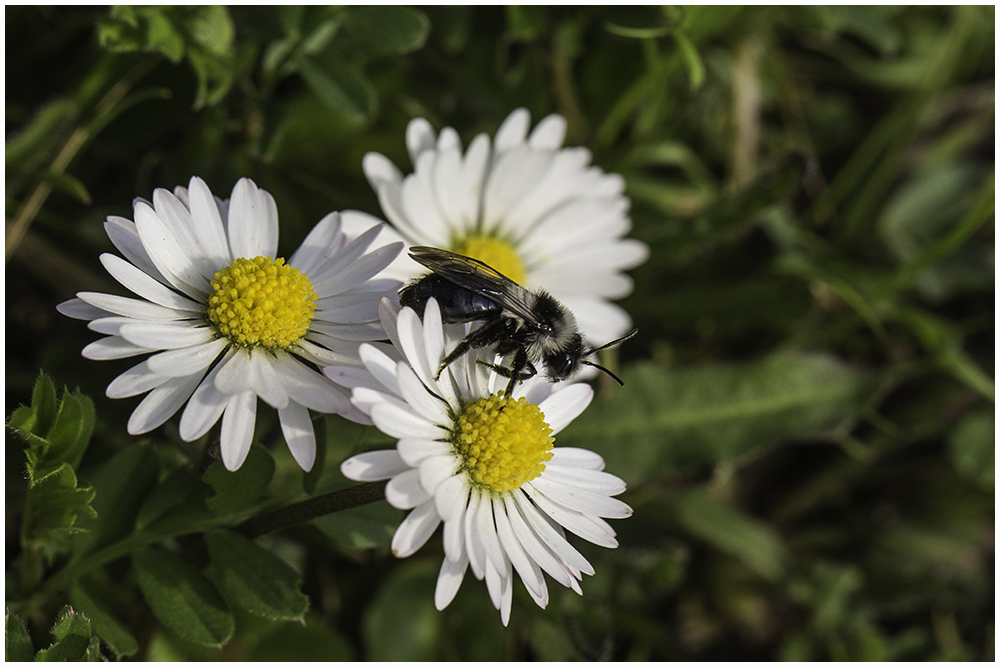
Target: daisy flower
(537, 213)
(227, 321)
(481, 462)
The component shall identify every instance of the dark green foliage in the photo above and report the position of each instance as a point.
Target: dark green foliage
(807, 425)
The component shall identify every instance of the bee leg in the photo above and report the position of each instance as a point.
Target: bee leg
(481, 337)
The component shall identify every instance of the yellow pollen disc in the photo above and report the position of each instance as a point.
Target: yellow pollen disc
(497, 253)
(503, 442)
(261, 302)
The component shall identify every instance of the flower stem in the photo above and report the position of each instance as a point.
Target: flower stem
(306, 510)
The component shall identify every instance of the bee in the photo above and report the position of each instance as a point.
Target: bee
(528, 326)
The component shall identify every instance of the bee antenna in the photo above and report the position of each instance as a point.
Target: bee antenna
(614, 342)
(599, 367)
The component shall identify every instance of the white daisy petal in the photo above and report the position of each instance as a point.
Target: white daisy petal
(403, 491)
(210, 227)
(414, 531)
(112, 347)
(451, 496)
(563, 406)
(533, 547)
(373, 466)
(80, 310)
(453, 535)
(187, 360)
(436, 469)
(419, 138)
(161, 403)
(253, 221)
(125, 237)
(530, 573)
(577, 458)
(203, 409)
(513, 130)
(549, 133)
(167, 253)
(415, 450)
(548, 536)
(473, 545)
(253, 371)
(400, 423)
(140, 310)
(136, 380)
(140, 283)
(590, 480)
(581, 500)
(324, 239)
(297, 428)
(308, 387)
(237, 429)
(413, 391)
(448, 582)
(166, 335)
(572, 521)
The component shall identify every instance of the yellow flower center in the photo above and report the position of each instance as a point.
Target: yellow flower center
(503, 442)
(261, 302)
(496, 252)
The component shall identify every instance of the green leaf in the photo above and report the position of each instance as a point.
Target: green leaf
(236, 491)
(386, 29)
(163, 36)
(73, 638)
(339, 86)
(972, 447)
(52, 506)
(401, 623)
(730, 531)
(43, 402)
(364, 527)
(105, 625)
(182, 598)
(255, 579)
(17, 641)
(665, 419)
(122, 484)
(176, 502)
(70, 434)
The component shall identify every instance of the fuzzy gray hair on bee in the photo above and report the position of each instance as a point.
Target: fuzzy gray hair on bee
(529, 326)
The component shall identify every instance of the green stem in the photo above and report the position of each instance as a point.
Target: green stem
(307, 510)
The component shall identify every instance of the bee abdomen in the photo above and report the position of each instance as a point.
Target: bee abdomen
(457, 304)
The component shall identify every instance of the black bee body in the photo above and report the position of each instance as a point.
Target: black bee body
(527, 326)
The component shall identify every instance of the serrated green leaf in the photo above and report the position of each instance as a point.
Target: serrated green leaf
(254, 579)
(663, 419)
(401, 623)
(73, 637)
(339, 86)
(43, 402)
(387, 28)
(177, 501)
(105, 625)
(70, 434)
(364, 527)
(163, 36)
(17, 641)
(182, 598)
(122, 483)
(728, 530)
(972, 447)
(52, 507)
(236, 491)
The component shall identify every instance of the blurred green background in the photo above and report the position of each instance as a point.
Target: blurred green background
(807, 425)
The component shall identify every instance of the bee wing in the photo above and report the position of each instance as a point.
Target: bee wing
(477, 277)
